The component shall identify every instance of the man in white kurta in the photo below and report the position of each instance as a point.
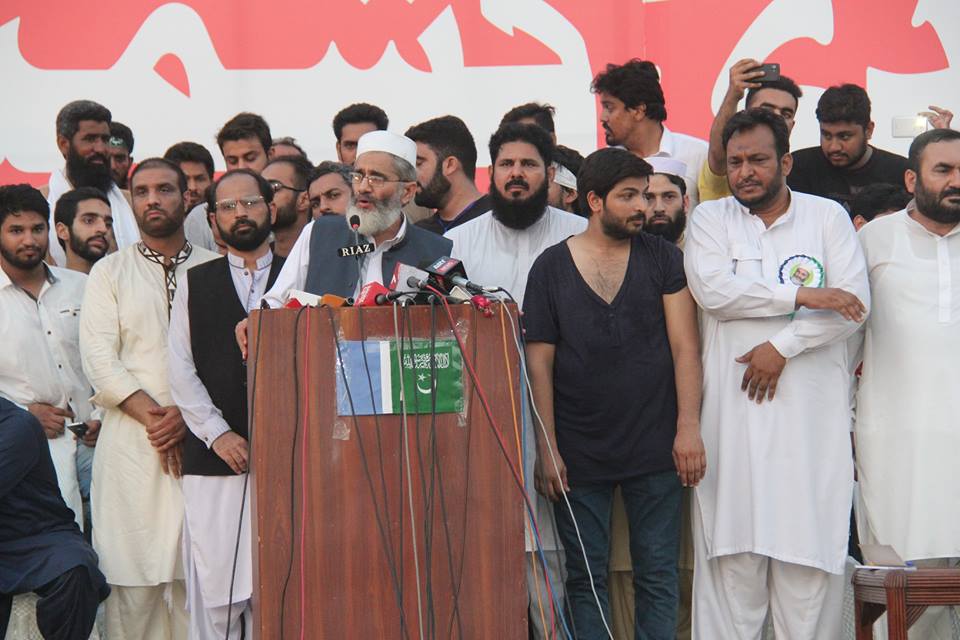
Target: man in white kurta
(136, 498)
(771, 516)
(497, 255)
(908, 408)
(215, 492)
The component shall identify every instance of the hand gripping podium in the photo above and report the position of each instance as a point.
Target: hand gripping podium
(364, 528)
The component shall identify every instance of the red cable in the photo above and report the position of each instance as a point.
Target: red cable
(503, 448)
(303, 482)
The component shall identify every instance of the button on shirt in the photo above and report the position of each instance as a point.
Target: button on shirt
(294, 273)
(40, 360)
(203, 418)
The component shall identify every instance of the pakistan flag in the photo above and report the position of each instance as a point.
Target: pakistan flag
(384, 377)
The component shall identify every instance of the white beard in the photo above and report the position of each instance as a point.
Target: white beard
(376, 220)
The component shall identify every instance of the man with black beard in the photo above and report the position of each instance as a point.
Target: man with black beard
(289, 177)
(498, 249)
(667, 200)
(207, 381)
(83, 222)
(384, 180)
(120, 152)
(446, 168)
(845, 162)
(907, 401)
(83, 137)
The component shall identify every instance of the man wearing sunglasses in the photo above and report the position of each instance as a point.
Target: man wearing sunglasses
(384, 180)
(289, 177)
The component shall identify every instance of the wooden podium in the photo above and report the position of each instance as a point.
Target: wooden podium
(331, 501)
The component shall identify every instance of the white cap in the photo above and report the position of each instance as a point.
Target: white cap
(564, 177)
(671, 166)
(387, 142)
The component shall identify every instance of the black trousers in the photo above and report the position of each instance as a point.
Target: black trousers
(67, 609)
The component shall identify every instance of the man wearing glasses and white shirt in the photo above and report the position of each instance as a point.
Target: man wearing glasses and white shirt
(289, 177)
(384, 181)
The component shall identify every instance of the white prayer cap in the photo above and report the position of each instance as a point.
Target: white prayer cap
(671, 166)
(392, 143)
(564, 177)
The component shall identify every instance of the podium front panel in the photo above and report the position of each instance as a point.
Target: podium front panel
(336, 551)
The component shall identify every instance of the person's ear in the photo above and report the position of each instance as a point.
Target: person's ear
(63, 144)
(62, 232)
(910, 181)
(868, 131)
(786, 164)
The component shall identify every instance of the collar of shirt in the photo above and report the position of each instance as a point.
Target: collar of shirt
(49, 275)
(912, 206)
(263, 262)
(784, 219)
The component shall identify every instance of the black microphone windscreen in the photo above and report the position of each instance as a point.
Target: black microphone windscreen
(354, 221)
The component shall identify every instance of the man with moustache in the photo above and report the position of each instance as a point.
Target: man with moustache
(845, 162)
(208, 383)
(498, 249)
(136, 497)
(446, 169)
(329, 189)
(120, 150)
(40, 366)
(83, 221)
(384, 180)
(288, 177)
(907, 406)
(244, 142)
(781, 96)
(667, 200)
(351, 123)
(632, 112)
(604, 309)
(196, 163)
(771, 515)
(83, 138)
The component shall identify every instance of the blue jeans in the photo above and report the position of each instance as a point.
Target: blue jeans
(653, 512)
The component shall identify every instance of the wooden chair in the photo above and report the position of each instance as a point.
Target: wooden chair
(905, 595)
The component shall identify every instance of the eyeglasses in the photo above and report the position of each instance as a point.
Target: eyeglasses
(276, 185)
(229, 206)
(374, 181)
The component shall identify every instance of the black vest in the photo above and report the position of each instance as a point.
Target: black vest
(329, 273)
(214, 311)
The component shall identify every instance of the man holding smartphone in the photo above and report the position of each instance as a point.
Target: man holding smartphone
(40, 366)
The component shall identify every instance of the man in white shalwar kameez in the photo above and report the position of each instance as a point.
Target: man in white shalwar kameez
(908, 409)
(135, 495)
(782, 283)
(207, 381)
(497, 249)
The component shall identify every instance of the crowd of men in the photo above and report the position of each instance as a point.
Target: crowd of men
(718, 334)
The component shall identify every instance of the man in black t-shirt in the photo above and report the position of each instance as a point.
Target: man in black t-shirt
(613, 356)
(845, 162)
(446, 168)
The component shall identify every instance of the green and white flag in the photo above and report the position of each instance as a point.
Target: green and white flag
(385, 369)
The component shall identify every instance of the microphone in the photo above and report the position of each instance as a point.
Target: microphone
(449, 272)
(357, 249)
(370, 294)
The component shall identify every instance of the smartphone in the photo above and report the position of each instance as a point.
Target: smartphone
(79, 429)
(771, 72)
(908, 126)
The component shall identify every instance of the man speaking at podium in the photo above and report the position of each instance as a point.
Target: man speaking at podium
(326, 258)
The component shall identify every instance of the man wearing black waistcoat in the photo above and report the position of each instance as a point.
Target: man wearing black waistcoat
(208, 382)
(384, 181)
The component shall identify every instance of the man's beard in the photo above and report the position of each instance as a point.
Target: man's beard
(609, 136)
(670, 230)
(245, 234)
(385, 212)
(83, 173)
(620, 230)
(851, 161)
(518, 213)
(24, 264)
(933, 205)
(770, 193)
(83, 249)
(433, 194)
(162, 228)
(286, 216)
